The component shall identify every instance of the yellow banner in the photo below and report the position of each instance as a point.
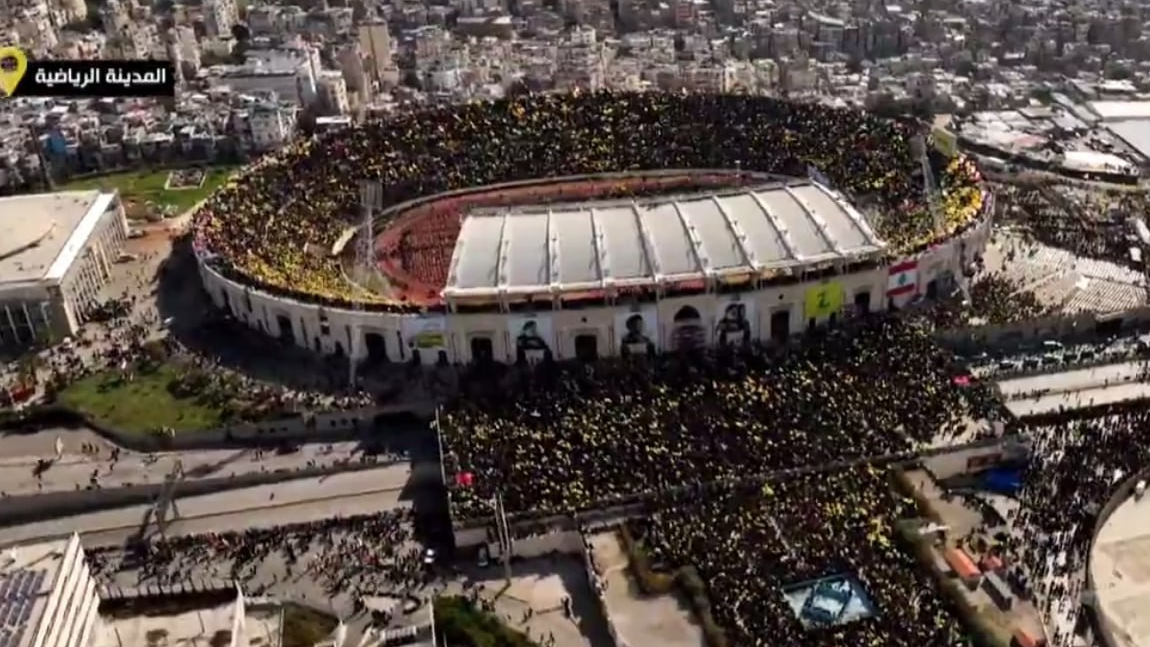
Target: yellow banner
(945, 142)
(823, 300)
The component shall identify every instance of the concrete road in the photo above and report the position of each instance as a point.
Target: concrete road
(75, 469)
(295, 501)
(1089, 378)
(1079, 399)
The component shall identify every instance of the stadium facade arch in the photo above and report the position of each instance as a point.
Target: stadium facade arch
(764, 261)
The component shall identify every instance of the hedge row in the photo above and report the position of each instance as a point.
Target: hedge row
(463, 625)
(655, 582)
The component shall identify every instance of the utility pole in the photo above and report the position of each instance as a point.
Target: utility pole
(504, 533)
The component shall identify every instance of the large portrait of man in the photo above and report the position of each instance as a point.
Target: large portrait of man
(733, 327)
(530, 346)
(636, 338)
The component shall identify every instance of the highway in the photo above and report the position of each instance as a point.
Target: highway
(295, 501)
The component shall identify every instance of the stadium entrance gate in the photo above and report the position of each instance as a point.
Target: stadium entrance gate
(376, 347)
(780, 326)
(586, 347)
(283, 322)
(862, 302)
(482, 350)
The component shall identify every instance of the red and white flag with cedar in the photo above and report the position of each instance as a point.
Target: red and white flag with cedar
(902, 278)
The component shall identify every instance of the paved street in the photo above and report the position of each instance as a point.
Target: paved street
(1097, 377)
(265, 506)
(74, 470)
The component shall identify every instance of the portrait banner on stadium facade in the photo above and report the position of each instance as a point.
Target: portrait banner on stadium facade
(823, 300)
(531, 336)
(735, 325)
(425, 333)
(637, 331)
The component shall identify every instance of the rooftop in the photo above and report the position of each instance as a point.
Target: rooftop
(193, 627)
(1120, 565)
(27, 574)
(587, 246)
(40, 234)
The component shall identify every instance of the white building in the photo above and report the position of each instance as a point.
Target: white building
(375, 43)
(47, 594)
(220, 16)
(333, 93)
(56, 255)
(269, 126)
(288, 72)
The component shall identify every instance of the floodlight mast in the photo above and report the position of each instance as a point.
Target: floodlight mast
(370, 198)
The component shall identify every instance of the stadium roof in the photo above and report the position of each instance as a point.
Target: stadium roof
(590, 246)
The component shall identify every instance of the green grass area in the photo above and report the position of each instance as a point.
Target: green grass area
(143, 405)
(304, 626)
(143, 192)
(463, 625)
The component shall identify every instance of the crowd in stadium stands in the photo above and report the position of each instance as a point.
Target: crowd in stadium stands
(572, 438)
(752, 544)
(274, 222)
(360, 555)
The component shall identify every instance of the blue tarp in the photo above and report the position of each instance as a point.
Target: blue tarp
(1003, 480)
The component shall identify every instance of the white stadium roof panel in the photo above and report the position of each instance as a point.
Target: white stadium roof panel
(525, 260)
(670, 241)
(578, 260)
(579, 246)
(477, 253)
(623, 243)
(770, 242)
(715, 236)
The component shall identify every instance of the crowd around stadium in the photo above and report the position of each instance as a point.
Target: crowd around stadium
(753, 543)
(267, 223)
(568, 439)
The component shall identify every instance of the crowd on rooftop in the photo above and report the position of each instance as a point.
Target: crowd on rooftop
(756, 545)
(571, 438)
(276, 222)
(363, 556)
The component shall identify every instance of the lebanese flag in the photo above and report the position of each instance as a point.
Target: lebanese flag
(902, 278)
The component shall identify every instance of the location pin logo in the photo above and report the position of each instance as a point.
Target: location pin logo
(13, 65)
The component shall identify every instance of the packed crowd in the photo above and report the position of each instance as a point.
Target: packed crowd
(1088, 223)
(992, 298)
(266, 222)
(753, 544)
(572, 438)
(360, 556)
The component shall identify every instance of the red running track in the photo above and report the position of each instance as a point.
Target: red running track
(414, 253)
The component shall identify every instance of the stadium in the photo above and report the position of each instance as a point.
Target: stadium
(586, 225)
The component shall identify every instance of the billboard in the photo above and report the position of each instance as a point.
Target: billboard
(823, 300)
(637, 332)
(531, 336)
(736, 321)
(944, 141)
(425, 333)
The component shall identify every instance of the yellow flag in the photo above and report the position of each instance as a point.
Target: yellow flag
(823, 300)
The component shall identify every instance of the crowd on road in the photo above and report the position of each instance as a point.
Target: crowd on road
(754, 545)
(267, 223)
(1079, 460)
(572, 438)
(360, 556)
